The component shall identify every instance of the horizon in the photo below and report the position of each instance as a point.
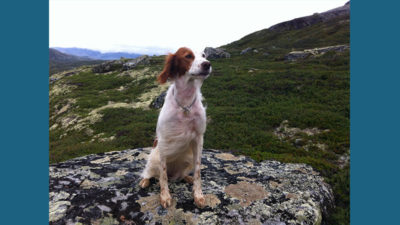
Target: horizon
(92, 18)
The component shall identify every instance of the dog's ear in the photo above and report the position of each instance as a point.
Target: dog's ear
(169, 69)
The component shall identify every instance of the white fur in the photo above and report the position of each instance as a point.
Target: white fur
(180, 134)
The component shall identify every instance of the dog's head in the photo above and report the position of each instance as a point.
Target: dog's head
(185, 63)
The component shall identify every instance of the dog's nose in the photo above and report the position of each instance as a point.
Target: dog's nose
(206, 65)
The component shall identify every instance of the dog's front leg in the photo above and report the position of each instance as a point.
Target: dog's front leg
(197, 149)
(165, 197)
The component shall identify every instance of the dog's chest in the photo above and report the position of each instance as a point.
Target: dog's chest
(192, 121)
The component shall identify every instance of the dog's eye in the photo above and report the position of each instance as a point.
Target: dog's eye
(188, 56)
(204, 55)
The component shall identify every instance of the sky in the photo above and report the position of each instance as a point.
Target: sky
(158, 27)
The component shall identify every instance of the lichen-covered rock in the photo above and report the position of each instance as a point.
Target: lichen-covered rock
(103, 189)
(295, 55)
(144, 60)
(216, 53)
(158, 102)
(246, 50)
(108, 66)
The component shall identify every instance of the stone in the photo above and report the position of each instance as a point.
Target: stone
(315, 52)
(216, 53)
(158, 102)
(250, 192)
(141, 60)
(108, 66)
(246, 50)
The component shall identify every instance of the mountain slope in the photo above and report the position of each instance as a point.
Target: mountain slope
(83, 52)
(59, 61)
(324, 29)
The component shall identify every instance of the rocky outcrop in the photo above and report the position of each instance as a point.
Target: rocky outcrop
(301, 22)
(121, 64)
(246, 50)
(295, 55)
(103, 189)
(216, 53)
(144, 60)
(108, 66)
(158, 102)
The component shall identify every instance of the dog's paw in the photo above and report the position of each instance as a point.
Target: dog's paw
(165, 199)
(188, 179)
(199, 200)
(144, 183)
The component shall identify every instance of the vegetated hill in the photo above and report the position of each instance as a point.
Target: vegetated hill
(258, 104)
(59, 61)
(320, 29)
(83, 52)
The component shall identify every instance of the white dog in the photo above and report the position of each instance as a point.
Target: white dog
(181, 125)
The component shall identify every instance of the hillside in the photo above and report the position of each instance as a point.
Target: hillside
(258, 104)
(92, 54)
(320, 29)
(59, 61)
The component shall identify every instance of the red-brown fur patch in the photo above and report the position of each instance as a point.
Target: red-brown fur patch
(176, 64)
(155, 142)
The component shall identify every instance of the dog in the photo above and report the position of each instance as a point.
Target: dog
(181, 125)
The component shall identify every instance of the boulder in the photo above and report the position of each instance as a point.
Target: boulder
(295, 55)
(216, 53)
(52, 80)
(103, 189)
(158, 102)
(144, 60)
(246, 50)
(108, 66)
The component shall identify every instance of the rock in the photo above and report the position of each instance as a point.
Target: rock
(52, 80)
(158, 102)
(246, 50)
(103, 189)
(298, 142)
(144, 60)
(108, 66)
(265, 54)
(295, 55)
(216, 53)
(255, 51)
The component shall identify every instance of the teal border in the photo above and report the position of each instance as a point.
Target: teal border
(24, 112)
(375, 112)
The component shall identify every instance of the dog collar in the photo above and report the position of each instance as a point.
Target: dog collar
(186, 109)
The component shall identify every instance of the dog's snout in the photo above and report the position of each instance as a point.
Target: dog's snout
(206, 65)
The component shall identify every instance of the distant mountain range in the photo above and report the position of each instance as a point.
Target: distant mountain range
(93, 54)
(59, 61)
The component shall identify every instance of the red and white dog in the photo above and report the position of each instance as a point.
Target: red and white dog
(181, 125)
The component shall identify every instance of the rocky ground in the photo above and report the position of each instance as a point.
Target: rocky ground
(103, 189)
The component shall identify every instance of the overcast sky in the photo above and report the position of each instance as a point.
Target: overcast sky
(154, 26)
